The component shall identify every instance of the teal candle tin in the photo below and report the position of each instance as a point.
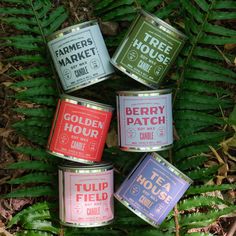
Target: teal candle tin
(148, 49)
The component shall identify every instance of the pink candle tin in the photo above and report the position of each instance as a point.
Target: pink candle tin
(86, 194)
(144, 120)
(79, 129)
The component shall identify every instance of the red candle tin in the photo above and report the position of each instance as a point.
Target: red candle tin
(79, 129)
(86, 194)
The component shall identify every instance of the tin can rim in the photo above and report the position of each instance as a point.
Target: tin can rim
(163, 23)
(78, 166)
(69, 29)
(156, 156)
(141, 92)
(87, 102)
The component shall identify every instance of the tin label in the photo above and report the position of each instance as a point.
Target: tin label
(80, 131)
(153, 189)
(80, 57)
(145, 121)
(148, 52)
(88, 197)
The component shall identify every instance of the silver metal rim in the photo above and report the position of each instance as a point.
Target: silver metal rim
(67, 30)
(144, 93)
(87, 103)
(86, 225)
(96, 168)
(70, 158)
(146, 149)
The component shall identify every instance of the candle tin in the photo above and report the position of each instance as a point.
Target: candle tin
(153, 188)
(79, 129)
(86, 195)
(144, 120)
(80, 56)
(148, 49)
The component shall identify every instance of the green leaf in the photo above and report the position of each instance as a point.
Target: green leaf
(43, 123)
(27, 58)
(220, 15)
(209, 188)
(34, 152)
(42, 225)
(192, 162)
(199, 137)
(34, 208)
(119, 13)
(192, 10)
(208, 76)
(33, 233)
(224, 5)
(31, 71)
(33, 178)
(40, 191)
(16, 11)
(203, 174)
(203, 218)
(36, 112)
(200, 201)
(33, 165)
(35, 82)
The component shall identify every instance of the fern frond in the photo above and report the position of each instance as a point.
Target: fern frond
(32, 71)
(198, 116)
(33, 233)
(203, 174)
(150, 233)
(192, 162)
(32, 192)
(41, 206)
(204, 87)
(33, 178)
(16, 11)
(191, 151)
(209, 188)
(224, 5)
(34, 152)
(35, 82)
(42, 225)
(203, 219)
(199, 201)
(27, 58)
(36, 112)
(37, 91)
(43, 123)
(33, 165)
(199, 137)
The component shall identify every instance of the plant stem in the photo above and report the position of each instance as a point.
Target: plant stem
(177, 226)
(176, 212)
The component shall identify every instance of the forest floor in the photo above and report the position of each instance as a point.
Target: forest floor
(79, 10)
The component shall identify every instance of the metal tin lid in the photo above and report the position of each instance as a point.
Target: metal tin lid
(172, 168)
(70, 29)
(144, 93)
(87, 103)
(77, 167)
(163, 23)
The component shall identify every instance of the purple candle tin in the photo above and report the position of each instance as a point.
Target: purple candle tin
(153, 188)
